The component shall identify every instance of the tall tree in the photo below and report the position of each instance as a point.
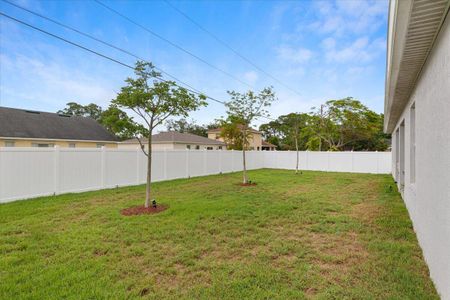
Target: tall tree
(118, 122)
(245, 108)
(114, 120)
(344, 123)
(91, 110)
(183, 125)
(155, 101)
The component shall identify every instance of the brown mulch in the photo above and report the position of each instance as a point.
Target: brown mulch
(247, 184)
(141, 210)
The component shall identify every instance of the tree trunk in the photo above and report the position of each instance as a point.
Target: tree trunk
(296, 149)
(244, 142)
(148, 189)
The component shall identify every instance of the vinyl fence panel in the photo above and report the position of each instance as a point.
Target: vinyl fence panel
(33, 172)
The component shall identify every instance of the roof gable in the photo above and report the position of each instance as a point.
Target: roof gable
(19, 123)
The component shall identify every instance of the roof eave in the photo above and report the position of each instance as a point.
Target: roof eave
(402, 73)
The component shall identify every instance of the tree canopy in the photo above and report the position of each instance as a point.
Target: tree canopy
(337, 125)
(113, 119)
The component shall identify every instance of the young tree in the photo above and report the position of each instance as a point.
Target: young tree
(292, 124)
(245, 108)
(155, 101)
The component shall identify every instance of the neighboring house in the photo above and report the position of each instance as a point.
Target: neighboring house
(266, 146)
(172, 140)
(255, 140)
(417, 114)
(27, 128)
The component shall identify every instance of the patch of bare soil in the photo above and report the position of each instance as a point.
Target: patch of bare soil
(142, 210)
(248, 184)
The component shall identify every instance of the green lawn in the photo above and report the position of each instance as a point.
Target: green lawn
(315, 235)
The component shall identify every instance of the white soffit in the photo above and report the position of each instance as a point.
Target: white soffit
(413, 30)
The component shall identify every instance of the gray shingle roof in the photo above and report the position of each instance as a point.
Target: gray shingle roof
(177, 137)
(19, 123)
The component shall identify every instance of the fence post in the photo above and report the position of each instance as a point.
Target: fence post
(378, 160)
(103, 166)
(204, 162)
(56, 170)
(353, 161)
(1, 177)
(220, 161)
(187, 163)
(306, 158)
(232, 161)
(165, 164)
(328, 161)
(137, 165)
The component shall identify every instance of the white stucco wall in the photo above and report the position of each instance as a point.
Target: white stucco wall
(428, 199)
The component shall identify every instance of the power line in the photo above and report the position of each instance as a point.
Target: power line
(97, 40)
(100, 54)
(172, 43)
(226, 45)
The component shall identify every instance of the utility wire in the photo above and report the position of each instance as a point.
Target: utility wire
(100, 54)
(97, 40)
(172, 43)
(226, 45)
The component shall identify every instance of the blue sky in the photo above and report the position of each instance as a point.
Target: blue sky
(322, 49)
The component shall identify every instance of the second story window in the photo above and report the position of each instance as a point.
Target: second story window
(71, 145)
(9, 143)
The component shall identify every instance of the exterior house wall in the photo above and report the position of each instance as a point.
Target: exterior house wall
(60, 143)
(171, 146)
(427, 194)
(255, 140)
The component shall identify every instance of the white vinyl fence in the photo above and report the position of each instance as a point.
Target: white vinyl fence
(33, 172)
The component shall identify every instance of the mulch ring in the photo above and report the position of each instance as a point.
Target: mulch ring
(142, 210)
(247, 184)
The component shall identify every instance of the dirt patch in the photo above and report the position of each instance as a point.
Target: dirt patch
(337, 253)
(141, 210)
(367, 212)
(247, 184)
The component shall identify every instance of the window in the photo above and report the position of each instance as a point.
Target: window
(99, 145)
(197, 147)
(402, 155)
(257, 148)
(42, 145)
(412, 154)
(220, 147)
(188, 147)
(209, 148)
(9, 143)
(217, 136)
(71, 145)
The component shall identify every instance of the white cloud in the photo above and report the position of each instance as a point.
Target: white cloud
(344, 17)
(294, 55)
(361, 50)
(251, 77)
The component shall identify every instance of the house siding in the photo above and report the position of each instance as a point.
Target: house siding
(62, 144)
(428, 198)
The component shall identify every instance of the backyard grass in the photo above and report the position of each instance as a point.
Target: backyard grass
(315, 235)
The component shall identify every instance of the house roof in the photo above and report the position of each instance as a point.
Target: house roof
(267, 144)
(413, 29)
(240, 126)
(178, 138)
(20, 123)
